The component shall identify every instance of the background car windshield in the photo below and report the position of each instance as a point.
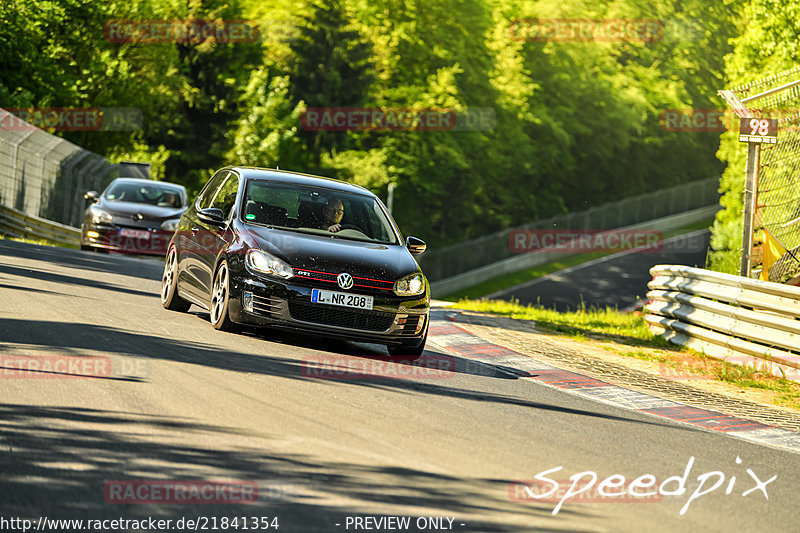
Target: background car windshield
(308, 209)
(145, 194)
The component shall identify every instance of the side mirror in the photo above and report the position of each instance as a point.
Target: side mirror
(415, 246)
(212, 215)
(91, 197)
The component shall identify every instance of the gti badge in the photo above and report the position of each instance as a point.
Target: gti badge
(344, 280)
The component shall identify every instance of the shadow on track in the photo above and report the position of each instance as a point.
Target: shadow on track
(56, 462)
(72, 338)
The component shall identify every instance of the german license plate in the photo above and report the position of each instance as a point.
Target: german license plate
(343, 299)
(134, 233)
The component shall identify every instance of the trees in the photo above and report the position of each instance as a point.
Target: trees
(767, 44)
(576, 123)
(331, 68)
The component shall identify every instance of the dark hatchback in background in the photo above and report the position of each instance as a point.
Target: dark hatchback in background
(133, 215)
(275, 248)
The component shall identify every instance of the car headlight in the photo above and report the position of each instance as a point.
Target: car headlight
(264, 263)
(170, 225)
(100, 217)
(410, 285)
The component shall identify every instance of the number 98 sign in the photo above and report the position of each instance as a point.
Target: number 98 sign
(758, 130)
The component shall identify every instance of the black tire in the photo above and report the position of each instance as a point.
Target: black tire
(86, 248)
(220, 293)
(169, 284)
(410, 351)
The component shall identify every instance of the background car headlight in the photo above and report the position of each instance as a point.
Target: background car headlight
(170, 225)
(410, 285)
(264, 263)
(100, 217)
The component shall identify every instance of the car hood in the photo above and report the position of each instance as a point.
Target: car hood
(148, 212)
(334, 255)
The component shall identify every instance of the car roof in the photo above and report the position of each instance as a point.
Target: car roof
(298, 178)
(147, 182)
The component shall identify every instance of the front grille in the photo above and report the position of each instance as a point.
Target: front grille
(359, 283)
(339, 316)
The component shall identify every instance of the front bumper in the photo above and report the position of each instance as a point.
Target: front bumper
(287, 305)
(110, 238)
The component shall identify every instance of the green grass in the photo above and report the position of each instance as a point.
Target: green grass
(581, 323)
(511, 280)
(41, 242)
(788, 392)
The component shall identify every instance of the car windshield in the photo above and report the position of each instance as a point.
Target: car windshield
(317, 210)
(153, 194)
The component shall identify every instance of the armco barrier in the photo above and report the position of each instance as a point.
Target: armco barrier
(736, 319)
(518, 262)
(15, 223)
(469, 257)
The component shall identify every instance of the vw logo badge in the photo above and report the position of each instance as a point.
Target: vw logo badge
(344, 280)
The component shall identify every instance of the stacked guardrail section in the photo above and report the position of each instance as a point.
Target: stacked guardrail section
(17, 224)
(740, 320)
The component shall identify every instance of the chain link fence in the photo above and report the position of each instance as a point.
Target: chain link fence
(46, 176)
(776, 252)
(458, 258)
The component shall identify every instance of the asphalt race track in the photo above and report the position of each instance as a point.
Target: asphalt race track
(617, 280)
(129, 394)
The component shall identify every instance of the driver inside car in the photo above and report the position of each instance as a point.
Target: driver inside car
(332, 215)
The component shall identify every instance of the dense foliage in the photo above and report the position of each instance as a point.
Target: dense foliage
(769, 43)
(576, 123)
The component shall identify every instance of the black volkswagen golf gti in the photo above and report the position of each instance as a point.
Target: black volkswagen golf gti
(275, 248)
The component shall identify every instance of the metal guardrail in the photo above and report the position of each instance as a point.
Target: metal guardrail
(15, 223)
(456, 259)
(462, 281)
(733, 318)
